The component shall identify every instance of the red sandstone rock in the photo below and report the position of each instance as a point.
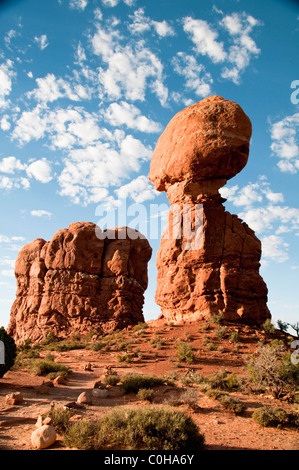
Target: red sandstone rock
(79, 282)
(202, 147)
(207, 141)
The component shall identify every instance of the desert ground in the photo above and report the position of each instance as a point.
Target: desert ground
(150, 350)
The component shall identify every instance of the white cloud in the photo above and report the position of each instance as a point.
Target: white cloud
(41, 213)
(41, 41)
(6, 76)
(264, 213)
(239, 26)
(274, 248)
(7, 272)
(204, 39)
(4, 123)
(128, 70)
(113, 3)
(78, 4)
(89, 171)
(142, 23)
(196, 77)
(10, 165)
(285, 145)
(31, 125)
(11, 243)
(139, 189)
(163, 29)
(40, 170)
(50, 89)
(123, 113)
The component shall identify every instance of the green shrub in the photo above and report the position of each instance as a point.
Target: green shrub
(65, 345)
(126, 357)
(146, 394)
(150, 428)
(133, 382)
(268, 326)
(111, 379)
(234, 337)
(60, 418)
(185, 353)
(48, 366)
(272, 369)
(221, 332)
(223, 380)
(275, 417)
(232, 403)
(217, 318)
(9, 353)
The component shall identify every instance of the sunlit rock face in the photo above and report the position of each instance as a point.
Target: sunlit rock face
(216, 271)
(79, 282)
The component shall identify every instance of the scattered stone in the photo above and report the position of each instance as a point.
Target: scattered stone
(59, 380)
(88, 367)
(100, 392)
(14, 398)
(85, 397)
(43, 437)
(48, 383)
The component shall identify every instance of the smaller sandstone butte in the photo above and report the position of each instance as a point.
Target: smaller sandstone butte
(82, 279)
(201, 148)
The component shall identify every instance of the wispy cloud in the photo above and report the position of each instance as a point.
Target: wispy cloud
(285, 145)
(41, 41)
(263, 210)
(41, 213)
(6, 77)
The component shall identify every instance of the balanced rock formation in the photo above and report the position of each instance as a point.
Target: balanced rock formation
(83, 279)
(208, 261)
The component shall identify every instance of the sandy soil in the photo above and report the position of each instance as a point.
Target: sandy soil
(222, 429)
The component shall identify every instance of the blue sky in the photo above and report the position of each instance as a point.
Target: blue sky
(87, 87)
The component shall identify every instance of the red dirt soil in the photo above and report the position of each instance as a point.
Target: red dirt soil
(222, 429)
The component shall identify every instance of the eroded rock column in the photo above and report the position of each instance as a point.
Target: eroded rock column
(202, 147)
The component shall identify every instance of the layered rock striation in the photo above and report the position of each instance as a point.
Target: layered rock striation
(83, 279)
(208, 260)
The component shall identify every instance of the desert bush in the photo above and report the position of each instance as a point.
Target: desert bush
(146, 394)
(234, 337)
(217, 318)
(133, 382)
(125, 357)
(50, 338)
(275, 417)
(60, 418)
(185, 353)
(65, 345)
(268, 326)
(272, 369)
(150, 428)
(10, 351)
(221, 332)
(111, 379)
(231, 403)
(223, 380)
(49, 367)
(97, 345)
